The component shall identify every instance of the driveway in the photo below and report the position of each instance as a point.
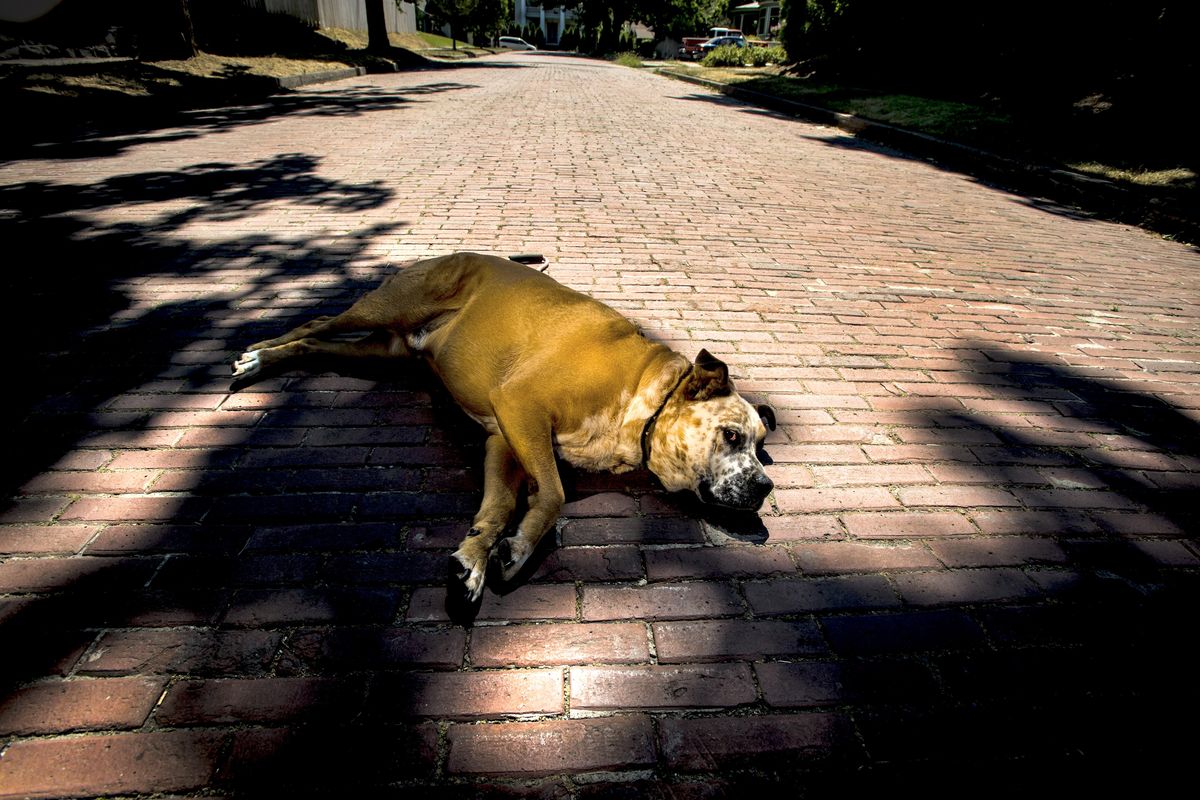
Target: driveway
(978, 571)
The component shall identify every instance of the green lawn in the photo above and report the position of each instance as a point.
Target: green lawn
(973, 124)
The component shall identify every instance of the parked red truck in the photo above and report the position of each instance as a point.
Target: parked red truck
(689, 50)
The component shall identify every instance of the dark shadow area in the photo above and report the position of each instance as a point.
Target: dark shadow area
(252, 534)
(87, 339)
(79, 321)
(101, 124)
(1146, 451)
(1074, 674)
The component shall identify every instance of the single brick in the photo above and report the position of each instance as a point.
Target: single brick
(329, 537)
(660, 601)
(716, 562)
(994, 551)
(193, 572)
(819, 558)
(375, 647)
(1134, 524)
(871, 475)
(328, 507)
(57, 574)
(527, 602)
(834, 499)
(917, 453)
(264, 760)
(185, 650)
(957, 496)
(89, 482)
(596, 564)
(33, 509)
(236, 700)
(174, 459)
(805, 684)
(800, 527)
(656, 688)
(407, 505)
(715, 640)
(802, 596)
(555, 643)
(91, 704)
(605, 504)
(466, 695)
(124, 763)
(385, 568)
(45, 539)
(713, 743)
(1047, 523)
(613, 530)
(253, 607)
(148, 508)
(905, 632)
(907, 524)
(192, 539)
(530, 749)
(964, 586)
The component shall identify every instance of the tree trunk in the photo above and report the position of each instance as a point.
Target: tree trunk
(165, 30)
(377, 35)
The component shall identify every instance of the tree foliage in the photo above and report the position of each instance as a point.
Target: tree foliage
(481, 17)
(601, 22)
(1018, 47)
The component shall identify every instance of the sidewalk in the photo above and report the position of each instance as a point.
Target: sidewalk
(977, 572)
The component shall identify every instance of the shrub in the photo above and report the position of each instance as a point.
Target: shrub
(761, 56)
(628, 59)
(727, 55)
(752, 56)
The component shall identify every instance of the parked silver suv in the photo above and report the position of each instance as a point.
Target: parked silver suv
(515, 43)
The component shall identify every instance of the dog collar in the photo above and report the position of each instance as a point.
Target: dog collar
(648, 429)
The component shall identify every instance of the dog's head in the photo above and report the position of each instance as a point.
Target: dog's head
(706, 439)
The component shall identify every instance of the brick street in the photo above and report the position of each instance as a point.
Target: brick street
(977, 571)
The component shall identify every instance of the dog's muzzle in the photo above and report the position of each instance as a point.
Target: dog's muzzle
(745, 495)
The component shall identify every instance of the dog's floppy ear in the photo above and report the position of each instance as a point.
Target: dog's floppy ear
(766, 414)
(710, 378)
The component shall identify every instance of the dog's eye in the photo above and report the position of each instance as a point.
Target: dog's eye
(732, 437)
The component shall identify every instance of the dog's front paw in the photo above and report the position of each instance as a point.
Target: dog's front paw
(509, 555)
(465, 577)
(248, 364)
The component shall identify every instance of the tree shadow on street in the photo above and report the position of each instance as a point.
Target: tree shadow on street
(69, 130)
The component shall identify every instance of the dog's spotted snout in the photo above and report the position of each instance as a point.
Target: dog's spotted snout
(762, 486)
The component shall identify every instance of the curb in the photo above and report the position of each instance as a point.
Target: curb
(293, 81)
(1085, 191)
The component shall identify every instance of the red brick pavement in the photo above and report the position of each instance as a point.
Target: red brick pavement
(978, 565)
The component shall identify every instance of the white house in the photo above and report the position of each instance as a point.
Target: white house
(552, 21)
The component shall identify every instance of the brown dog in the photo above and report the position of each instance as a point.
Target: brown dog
(546, 370)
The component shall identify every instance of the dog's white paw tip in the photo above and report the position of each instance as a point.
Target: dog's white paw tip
(469, 579)
(247, 364)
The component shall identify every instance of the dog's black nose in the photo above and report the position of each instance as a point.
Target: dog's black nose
(763, 485)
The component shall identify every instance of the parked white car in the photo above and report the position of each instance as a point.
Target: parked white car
(515, 43)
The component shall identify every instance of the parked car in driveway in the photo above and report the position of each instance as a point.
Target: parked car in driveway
(515, 43)
(690, 49)
(721, 41)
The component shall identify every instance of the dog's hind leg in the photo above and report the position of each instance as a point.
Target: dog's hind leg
(404, 303)
(380, 344)
(502, 479)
